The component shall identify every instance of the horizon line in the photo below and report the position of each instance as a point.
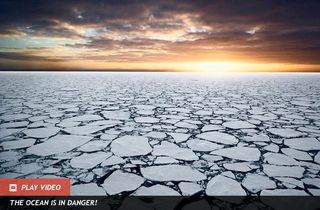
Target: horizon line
(155, 70)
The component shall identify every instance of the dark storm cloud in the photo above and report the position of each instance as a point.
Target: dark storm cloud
(47, 13)
(288, 30)
(25, 57)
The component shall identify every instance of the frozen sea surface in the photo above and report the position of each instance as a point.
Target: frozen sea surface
(163, 133)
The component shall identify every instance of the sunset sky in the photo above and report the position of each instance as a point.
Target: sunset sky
(160, 35)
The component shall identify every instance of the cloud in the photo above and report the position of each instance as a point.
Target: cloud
(25, 57)
(126, 30)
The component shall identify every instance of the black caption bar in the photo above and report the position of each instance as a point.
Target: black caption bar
(161, 203)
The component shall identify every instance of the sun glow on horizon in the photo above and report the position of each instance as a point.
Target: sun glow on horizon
(207, 66)
(230, 66)
(189, 66)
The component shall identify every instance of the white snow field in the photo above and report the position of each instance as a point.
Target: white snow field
(163, 133)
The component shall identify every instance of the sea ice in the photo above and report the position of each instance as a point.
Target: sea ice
(58, 144)
(297, 154)
(89, 160)
(146, 120)
(240, 166)
(237, 124)
(285, 132)
(156, 190)
(305, 144)
(239, 153)
(189, 188)
(202, 145)
(284, 171)
(179, 137)
(255, 183)
(41, 132)
(224, 186)
(172, 172)
(18, 144)
(218, 137)
(113, 160)
(120, 181)
(174, 151)
(126, 146)
(85, 129)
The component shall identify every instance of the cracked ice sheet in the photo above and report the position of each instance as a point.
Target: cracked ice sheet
(281, 128)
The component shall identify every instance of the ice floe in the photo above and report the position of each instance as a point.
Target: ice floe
(224, 186)
(113, 160)
(239, 153)
(86, 129)
(189, 188)
(120, 181)
(284, 171)
(202, 145)
(240, 166)
(126, 146)
(156, 190)
(18, 144)
(172, 173)
(218, 137)
(174, 151)
(285, 132)
(237, 124)
(305, 144)
(58, 144)
(255, 183)
(41, 132)
(179, 137)
(89, 160)
(146, 120)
